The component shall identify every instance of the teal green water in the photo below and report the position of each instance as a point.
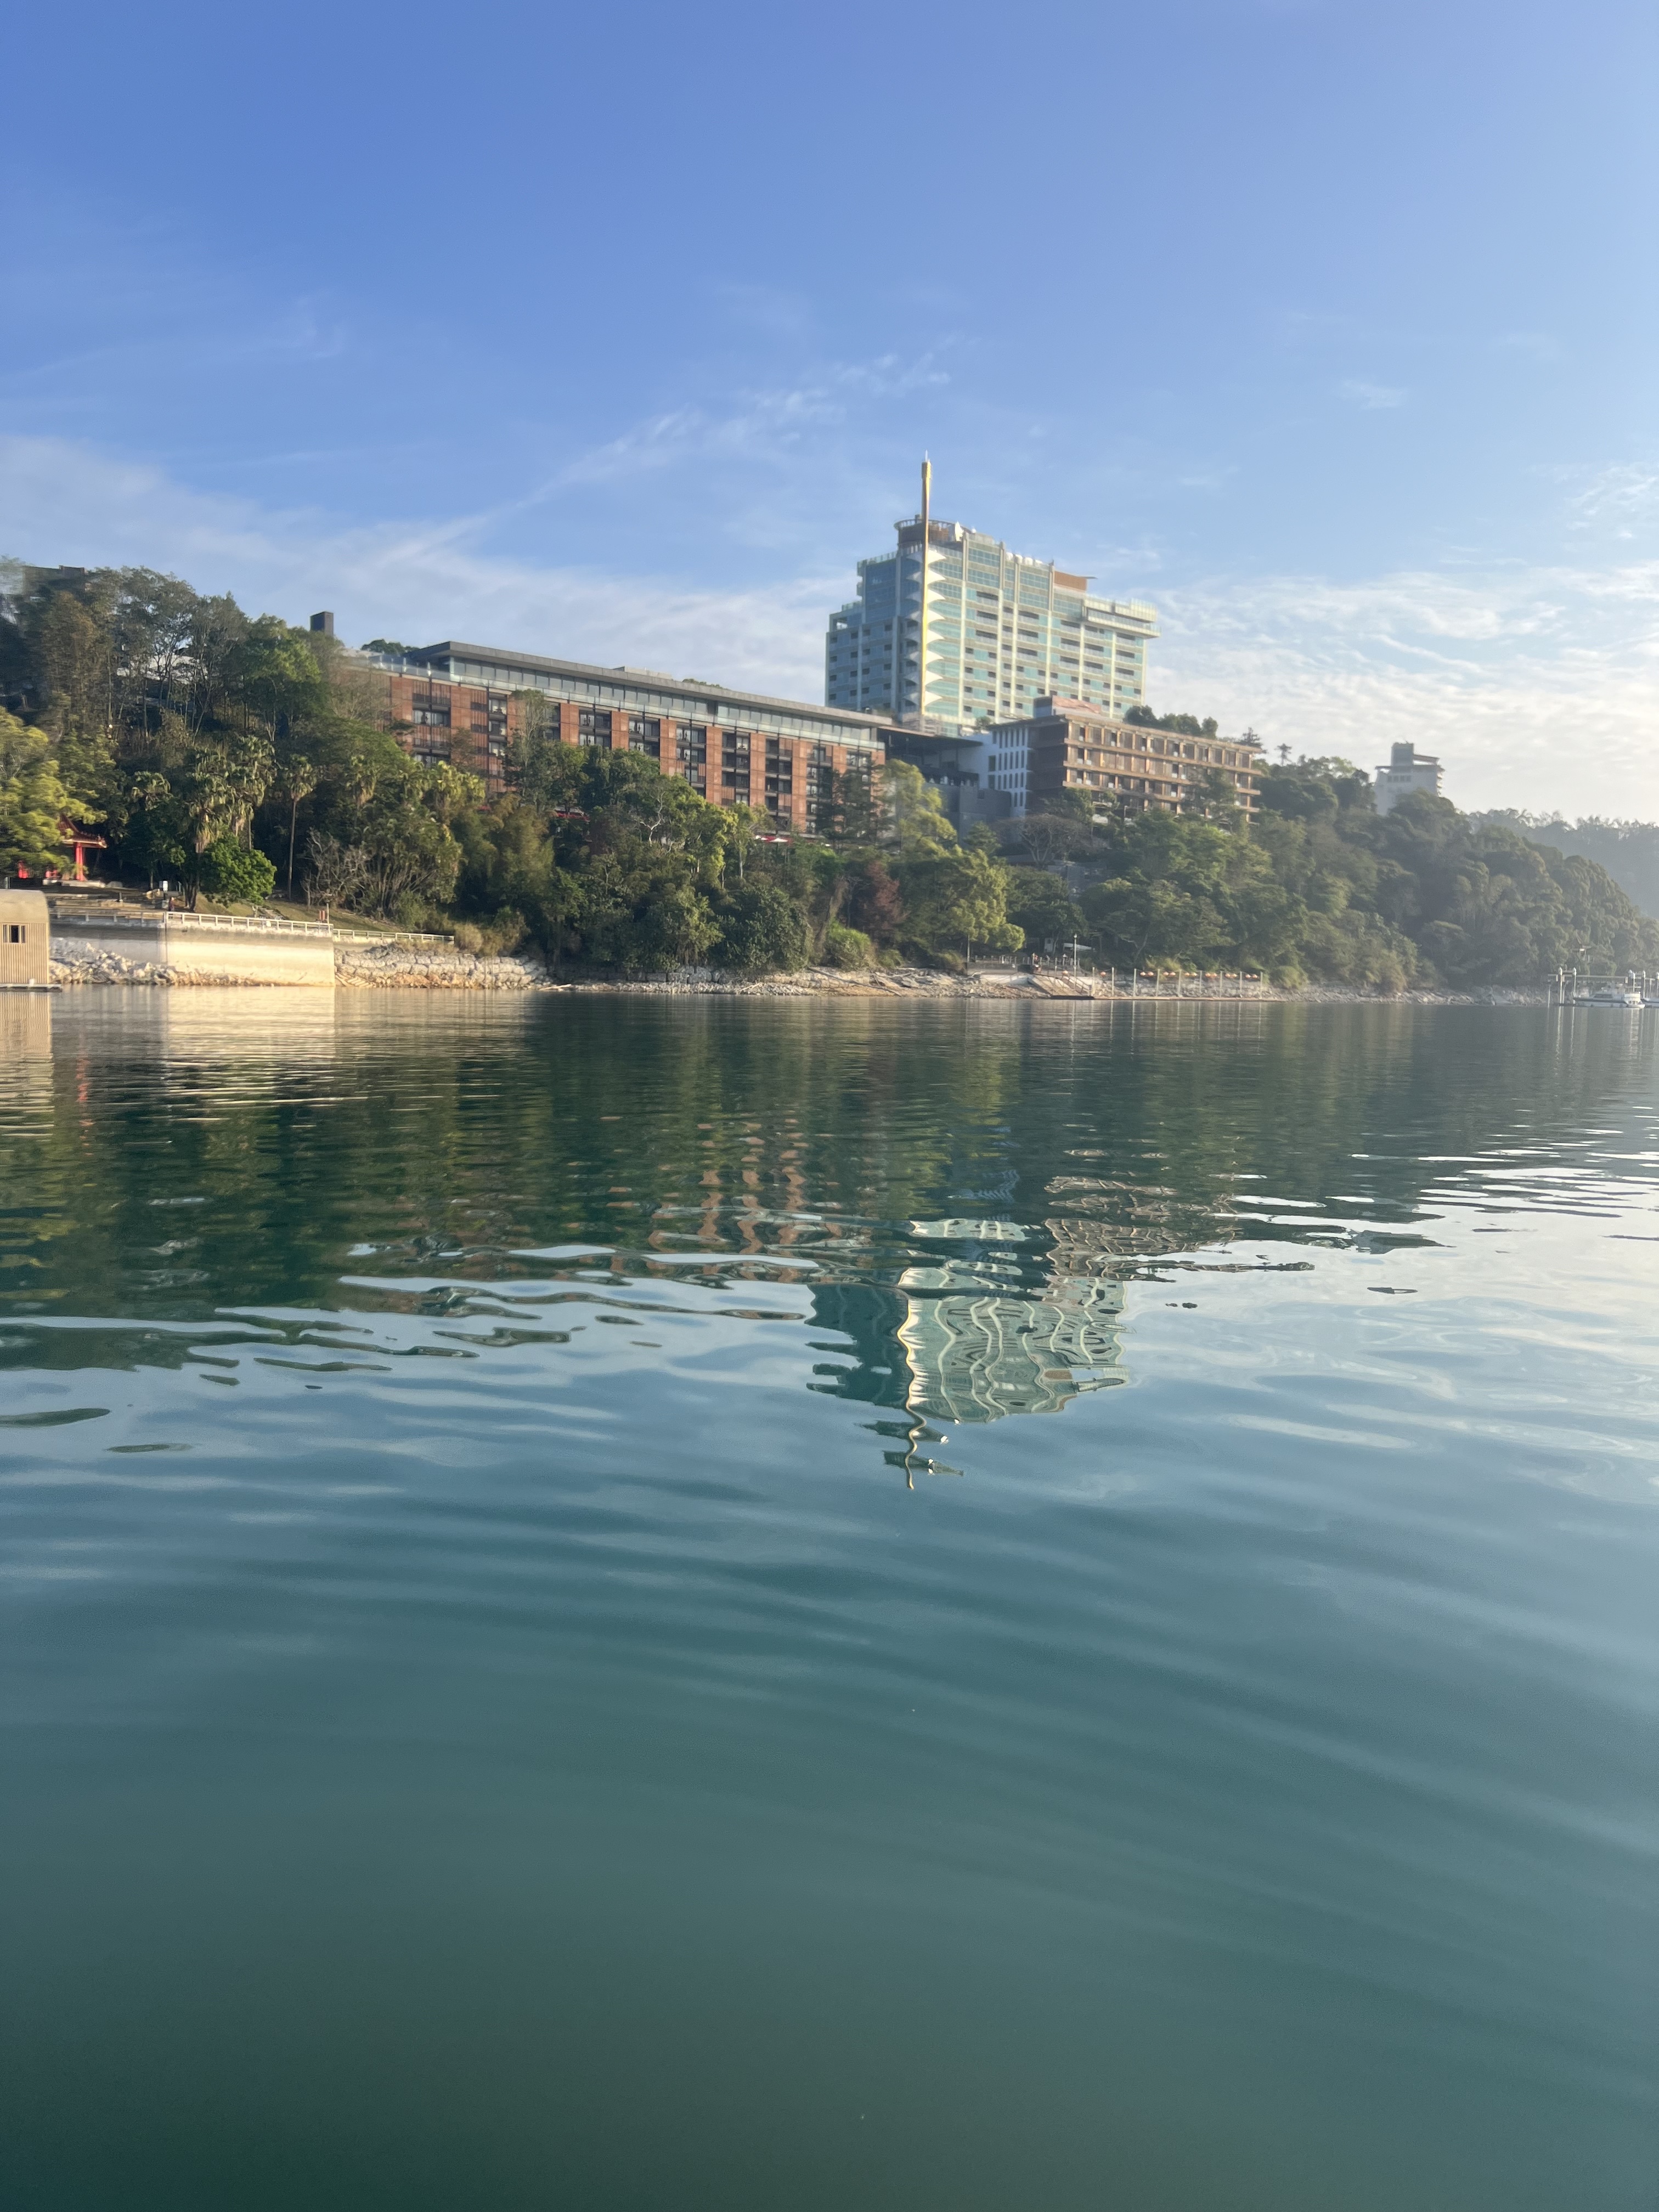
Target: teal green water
(746, 1605)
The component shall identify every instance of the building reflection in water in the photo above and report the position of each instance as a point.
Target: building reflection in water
(980, 1341)
(1004, 1319)
(25, 1027)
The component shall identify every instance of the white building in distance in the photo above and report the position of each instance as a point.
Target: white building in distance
(1408, 770)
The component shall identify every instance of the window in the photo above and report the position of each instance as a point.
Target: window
(779, 773)
(691, 750)
(17, 933)
(592, 726)
(734, 761)
(645, 735)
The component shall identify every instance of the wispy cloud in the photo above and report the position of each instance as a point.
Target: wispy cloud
(762, 423)
(758, 425)
(416, 579)
(1372, 395)
(1619, 495)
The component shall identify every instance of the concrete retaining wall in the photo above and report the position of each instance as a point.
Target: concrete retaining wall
(172, 948)
(130, 946)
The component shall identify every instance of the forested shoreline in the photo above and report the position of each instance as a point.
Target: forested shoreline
(236, 757)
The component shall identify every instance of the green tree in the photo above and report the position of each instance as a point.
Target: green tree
(33, 799)
(75, 661)
(1323, 789)
(154, 834)
(848, 948)
(228, 870)
(1184, 726)
(1043, 909)
(1048, 839)
(296, 779)
(1216, 796)
(955, 900)
(762, 931)
(1629, 851)
(1193, 894)
(275, 675)
(913, 812)
(854, 809)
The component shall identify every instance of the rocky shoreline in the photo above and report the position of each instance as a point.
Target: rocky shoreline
(392, 964)
(396, 964)
(927, 983)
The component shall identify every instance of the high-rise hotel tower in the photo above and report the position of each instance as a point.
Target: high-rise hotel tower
(1001, 631)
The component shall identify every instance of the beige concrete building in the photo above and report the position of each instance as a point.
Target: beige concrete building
(1067, 745)
(25, 940)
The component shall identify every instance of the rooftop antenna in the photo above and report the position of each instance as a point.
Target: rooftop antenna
(921, 639)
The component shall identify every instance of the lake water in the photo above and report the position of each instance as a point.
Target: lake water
(674, 1604)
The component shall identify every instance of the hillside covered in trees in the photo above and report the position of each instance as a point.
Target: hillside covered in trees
(236, 755)
(1629, 851)
(1322, 887)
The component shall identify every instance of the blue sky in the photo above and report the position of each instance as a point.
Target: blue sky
(1330, 329)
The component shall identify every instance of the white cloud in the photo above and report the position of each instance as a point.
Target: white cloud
(1536, 685)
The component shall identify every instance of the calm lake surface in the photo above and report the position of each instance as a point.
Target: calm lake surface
(752, 1605)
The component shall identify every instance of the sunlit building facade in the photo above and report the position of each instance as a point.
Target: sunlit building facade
(1001, 630)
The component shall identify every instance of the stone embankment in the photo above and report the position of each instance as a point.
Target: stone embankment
(929, 983)
(807, 983)
(403, 965)
(74, 966)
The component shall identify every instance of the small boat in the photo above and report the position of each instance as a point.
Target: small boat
(1611, 996)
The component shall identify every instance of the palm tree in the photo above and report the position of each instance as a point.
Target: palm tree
(298, 781)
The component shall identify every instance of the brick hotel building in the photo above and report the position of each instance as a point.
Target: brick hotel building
(464, 703)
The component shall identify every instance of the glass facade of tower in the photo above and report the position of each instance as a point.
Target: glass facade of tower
(1002, 630)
